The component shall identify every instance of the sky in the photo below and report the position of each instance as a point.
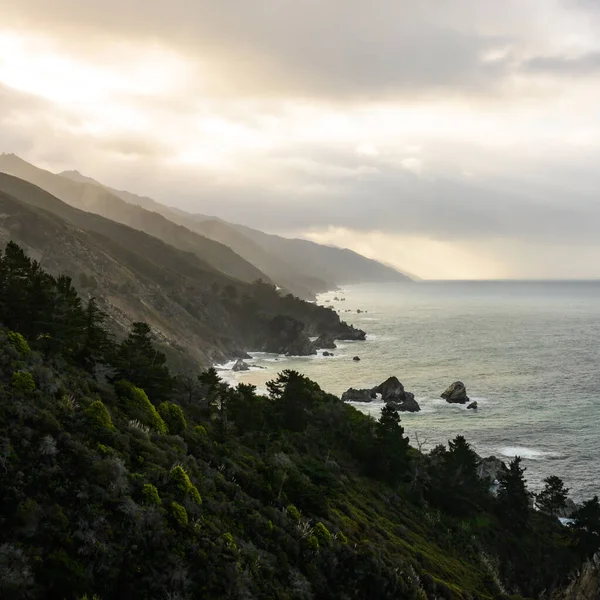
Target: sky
(455, 139)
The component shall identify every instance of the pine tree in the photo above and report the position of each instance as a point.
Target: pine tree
(138, 361)
(553, 497)
(587, 527)
(96, 344)
(391, 452)
(513, 497)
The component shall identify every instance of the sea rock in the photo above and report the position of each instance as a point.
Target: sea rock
(391, 389)
(325, 340)
(327, 353)
(408, 404)
(240, 365)
(350, 333)
(456, 393)
(354, 395)
(358, 311)
(489, 468)
(473, 405)
(336, 299)
(356, 358)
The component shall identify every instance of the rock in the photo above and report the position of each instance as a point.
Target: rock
(286, 335)
(584, 583)
(327, 353)
(473, 405)
(409, 404)
(336, 299)
(358, 311)
(391, 389)
(456, 393)
(349, 332)
(325, 340)
(354, 395)
(489, 468)
(240, 365)
(570, 507)
(356, 358)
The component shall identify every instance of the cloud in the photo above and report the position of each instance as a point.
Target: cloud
(586, 64)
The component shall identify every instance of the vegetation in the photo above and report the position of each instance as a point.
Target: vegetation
(110, 490)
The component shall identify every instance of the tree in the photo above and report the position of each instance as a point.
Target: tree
(138, 361)
(553, 497)
(96, 344)
(586, 527)
(391, 450)
(513, 497)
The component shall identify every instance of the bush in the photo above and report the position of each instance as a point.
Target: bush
(99, 416)
(150, 495)
(19, 343)
(322, 534)
(23, 381)
(183, 484)
(174, 418)
(179, 513)
(293, 512)
(138, 406)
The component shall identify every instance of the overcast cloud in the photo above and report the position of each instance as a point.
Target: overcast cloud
(454, 139)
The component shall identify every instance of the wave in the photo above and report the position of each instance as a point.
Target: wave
(528, 453)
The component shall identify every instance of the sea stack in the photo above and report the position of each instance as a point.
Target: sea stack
(456, 393)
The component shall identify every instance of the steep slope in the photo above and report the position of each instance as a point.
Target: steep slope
(325, 262)
(99, 200)
(280, 271)
(198, 311)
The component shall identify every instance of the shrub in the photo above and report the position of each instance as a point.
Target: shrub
(19, 343)
(183, 484)
(313, 542)
(99, 416)
(174, 418)
(150, 495)
(179, 513)
(293, 512)
(138, 406)
(23, 381)
(200, 430)
(322, 534)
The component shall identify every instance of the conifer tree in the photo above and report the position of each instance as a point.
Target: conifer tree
(391, 454)
(513, 497)
(553, 497)
(587, 527)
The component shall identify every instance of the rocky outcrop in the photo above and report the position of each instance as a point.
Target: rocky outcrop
(489, 468)
(408, 404)
(356, 358)
(390, 389)
(350, 333)
(585, 584)
(240, 365)
(456, 393)
(327, 353)
(354, 395)
(325, 340)
(285, 335)
(473, 405)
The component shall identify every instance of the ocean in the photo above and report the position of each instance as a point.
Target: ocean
(528, 352)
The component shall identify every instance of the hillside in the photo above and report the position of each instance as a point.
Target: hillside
(99, 200)
(199, 312)
(300, 266)
(279, 271)
(120, 481)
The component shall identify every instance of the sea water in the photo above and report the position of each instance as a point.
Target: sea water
(528, 353)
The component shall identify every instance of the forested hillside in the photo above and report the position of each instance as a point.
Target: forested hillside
(120, 480)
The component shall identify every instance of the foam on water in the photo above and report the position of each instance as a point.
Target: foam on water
(527, 453)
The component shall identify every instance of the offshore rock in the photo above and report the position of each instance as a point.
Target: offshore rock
(325, 340)
(473, 405)
(240, 365)
(354, 395)
(409, 404)
(356, 358)
(350, 333)
(489, 468)
(391, 389)
(456, 393)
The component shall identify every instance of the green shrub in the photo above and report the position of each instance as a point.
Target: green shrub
(293, 512)
(23, 381)
(19, 343)
(313, 542)
(322, 534)
(99, 416)
(183, 484)
(174, 418)
(229, 541)
(138, 406)
(341, 538)
(150, 495)
(200, 430)
(179, 513)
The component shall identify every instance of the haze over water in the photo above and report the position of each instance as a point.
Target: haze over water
(528, 352)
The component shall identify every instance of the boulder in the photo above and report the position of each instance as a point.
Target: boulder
(325, 340)
(391, 389)
(358, 311)
(409, 404)
(327, 353)
(240, 365)
(490, 468)
(473, 405)
(356, 358)
(456, 393)
(354, 395)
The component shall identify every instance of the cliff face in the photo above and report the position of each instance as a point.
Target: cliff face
(585, 585)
